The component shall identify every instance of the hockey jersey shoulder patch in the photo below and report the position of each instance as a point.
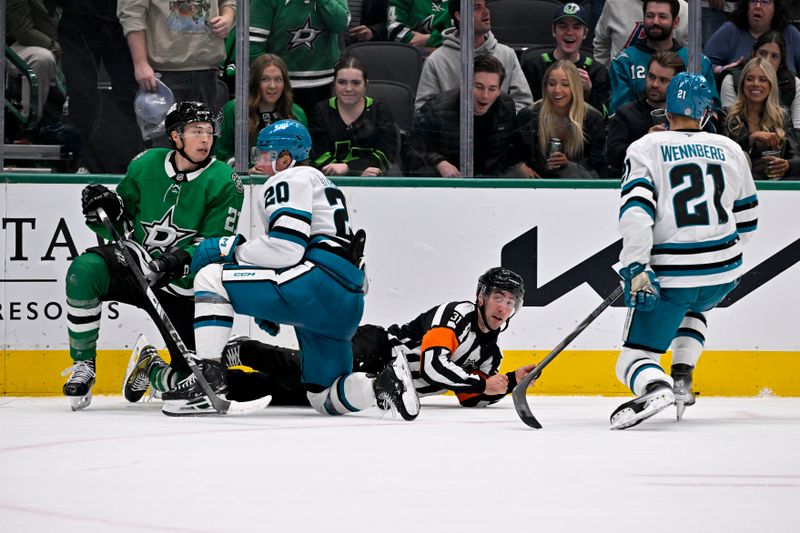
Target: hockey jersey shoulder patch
(237, 182)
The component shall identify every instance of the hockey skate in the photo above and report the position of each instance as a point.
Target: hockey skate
(657, 396)
(137, 375)
(78, 387)
(394, 388)
(684, 397)
(188, 398)
(231, 354)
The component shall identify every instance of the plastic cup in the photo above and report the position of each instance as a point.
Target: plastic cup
(771, 153)
(659, 117)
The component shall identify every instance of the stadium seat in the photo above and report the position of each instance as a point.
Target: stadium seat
(389, 61)
(399, 99)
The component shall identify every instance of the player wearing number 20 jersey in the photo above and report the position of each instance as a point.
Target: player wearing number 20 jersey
(303, 270)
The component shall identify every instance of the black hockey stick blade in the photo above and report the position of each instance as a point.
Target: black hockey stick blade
(220, 405)
(520, 391)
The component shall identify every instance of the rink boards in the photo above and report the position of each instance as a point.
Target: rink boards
(427, 241)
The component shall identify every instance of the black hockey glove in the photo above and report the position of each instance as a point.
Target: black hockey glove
(95, 195)
(172, 264)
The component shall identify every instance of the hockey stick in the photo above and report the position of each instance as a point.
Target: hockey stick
(519, 395)
(220, 405)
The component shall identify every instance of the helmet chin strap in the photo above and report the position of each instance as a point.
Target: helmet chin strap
(183, 153)
(275, 170)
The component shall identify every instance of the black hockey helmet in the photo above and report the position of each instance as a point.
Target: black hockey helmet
(502, 279)
(183, 113)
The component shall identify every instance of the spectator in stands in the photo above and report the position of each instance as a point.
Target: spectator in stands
(621, 24)
(91, 38)
(435, 135)
(629, 68)
(269, 99)
(759, 124)
(367, 21)
(32, 32)
(732, 44)
(442, 70)
(306, 35)
(715, 13)
(561, 114)
(419, 23)
(569, 32)
(352, 134)
(772, 47)
(633, 120)
(183, 41)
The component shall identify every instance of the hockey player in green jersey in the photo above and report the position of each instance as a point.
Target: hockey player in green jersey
(169, 200)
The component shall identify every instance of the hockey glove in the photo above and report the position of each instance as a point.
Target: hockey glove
(271, 328)
(95, 195)
(171, 265)
(642, 290)
(216, 250)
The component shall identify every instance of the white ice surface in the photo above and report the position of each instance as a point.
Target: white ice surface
(732, 465)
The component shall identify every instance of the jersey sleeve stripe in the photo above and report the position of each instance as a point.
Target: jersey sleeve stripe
(441, 337)
(646, 205)
(638, 182)
(303, 216)
(288, 234)
(213, 320)
(745, 203)
(746, 227)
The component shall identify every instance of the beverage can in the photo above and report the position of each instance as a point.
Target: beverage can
(555, 146)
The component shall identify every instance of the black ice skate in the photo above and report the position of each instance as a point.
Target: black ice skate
(657, 396)
(231, 354)
(188, 398)
(684, 396)
(78, 387)
(394, 388)
(137, 376)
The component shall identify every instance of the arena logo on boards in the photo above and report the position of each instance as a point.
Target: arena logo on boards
(21, 250)
(522, 256)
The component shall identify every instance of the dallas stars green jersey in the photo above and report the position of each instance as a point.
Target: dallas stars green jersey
(168, 208)
(305, 33)
(424, 16)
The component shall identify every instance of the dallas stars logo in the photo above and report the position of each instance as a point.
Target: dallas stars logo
(304, 36)
(162, 234)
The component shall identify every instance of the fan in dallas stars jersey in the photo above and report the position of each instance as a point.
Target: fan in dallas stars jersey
(169, 200)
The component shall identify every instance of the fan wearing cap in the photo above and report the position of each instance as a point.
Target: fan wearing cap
(171, 200)
(570, 32)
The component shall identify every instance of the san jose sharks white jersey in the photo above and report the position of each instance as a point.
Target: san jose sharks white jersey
(299, 208)
(687, 202)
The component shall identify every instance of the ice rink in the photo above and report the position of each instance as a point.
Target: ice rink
(732, 465)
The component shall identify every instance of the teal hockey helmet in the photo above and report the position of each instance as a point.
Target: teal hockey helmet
(285, 136)
(689, 95)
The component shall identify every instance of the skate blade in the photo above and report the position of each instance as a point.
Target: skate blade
(628, 418)
(79, 403)
(140, 343)
(680, 407)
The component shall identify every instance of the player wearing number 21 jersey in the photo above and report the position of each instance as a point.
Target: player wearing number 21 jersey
(688, 202)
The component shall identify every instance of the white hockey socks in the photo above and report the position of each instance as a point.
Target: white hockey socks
(347, 394)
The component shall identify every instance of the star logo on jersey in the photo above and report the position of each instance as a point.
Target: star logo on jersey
(304, 36)
(162, 234)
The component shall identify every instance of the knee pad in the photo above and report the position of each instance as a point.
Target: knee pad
(87, 277)
(209, 279)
